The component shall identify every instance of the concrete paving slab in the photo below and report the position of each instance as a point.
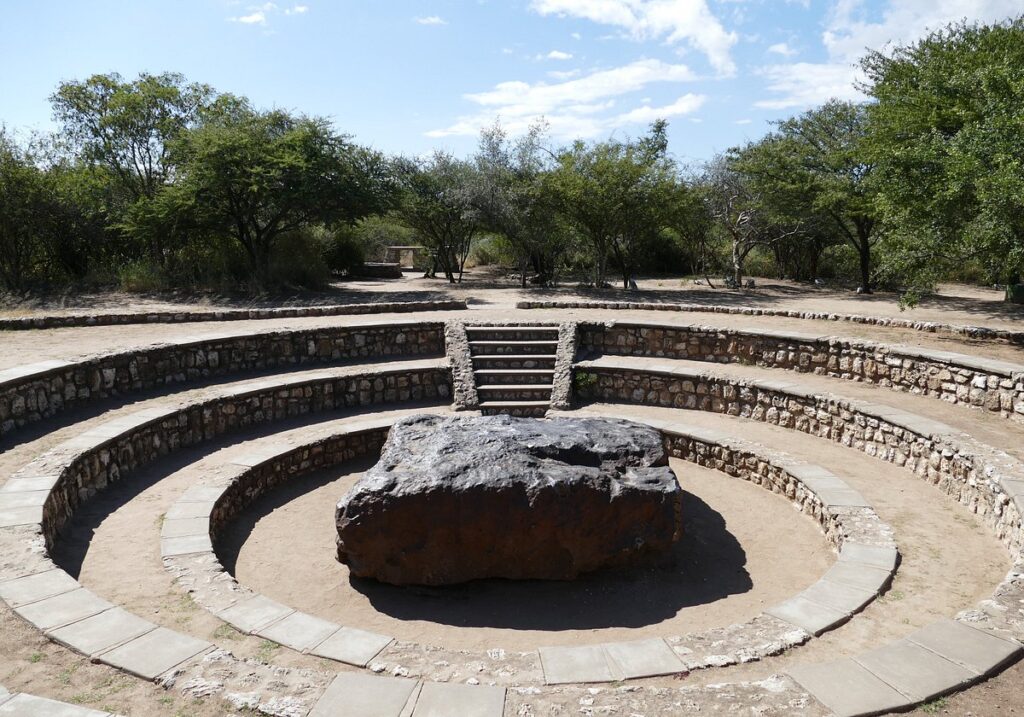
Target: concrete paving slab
(31, 588)
(184, 527)
(840, 597)
(644, 658)
(63, 609)
(185, 545)
(805, 472)
(154, 653)
(563, 665)
(4, 694)
(24, 499)
(916, 672)
(352, 646)
(254, 614)
(848, 689)
(101, 632)
(809, 616)
(299, 631)
(439, 699)
(30, 483)
(23, 705)
(189, 509)
(871, 555)
(364, 695)
(11, 517)
(859, 575)
(979, 651)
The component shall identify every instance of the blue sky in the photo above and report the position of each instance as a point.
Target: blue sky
(406, 76)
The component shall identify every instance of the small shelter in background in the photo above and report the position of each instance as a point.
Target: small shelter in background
(407, 257)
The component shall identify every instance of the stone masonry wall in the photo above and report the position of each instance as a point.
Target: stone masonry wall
(906, 369)
(32, 396)
(99, 462)
(973, 478)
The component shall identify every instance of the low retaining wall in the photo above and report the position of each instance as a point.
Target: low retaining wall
(54, 321)
(986, 481)
(973, 332)
(996, 386)
(36, 391)
(98, 458)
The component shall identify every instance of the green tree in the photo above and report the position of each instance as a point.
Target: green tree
(25, 210)
(514, 198)
(947, 134)
(617, 194)
(258, 176)
(438, 201)
(813, 171)
(742, 214)
(127, 127)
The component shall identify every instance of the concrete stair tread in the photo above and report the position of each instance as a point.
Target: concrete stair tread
(514, 404)
(514, 387)
(551, 329)
(513, 371)
(524, 342)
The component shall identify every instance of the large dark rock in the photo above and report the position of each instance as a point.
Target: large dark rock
(458, 498)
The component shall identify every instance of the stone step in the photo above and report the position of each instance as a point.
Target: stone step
(514, 361)
(514, 387)
(478, 348)
(536, 377)
(517, 333)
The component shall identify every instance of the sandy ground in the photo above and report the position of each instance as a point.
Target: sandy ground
(744, 550)
(952, 303)
(20, 347)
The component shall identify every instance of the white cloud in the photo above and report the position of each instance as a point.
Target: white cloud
(781, 48)
(431, 20)
(575, 36)
(558, 55)
(850, 31)
(683, 106)
(563, 74)
(257, 18)
(576, 107)
(260, 14)
(676, 20)
(805, 84)
(743, 121)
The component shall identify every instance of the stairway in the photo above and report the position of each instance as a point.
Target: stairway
(513, 367)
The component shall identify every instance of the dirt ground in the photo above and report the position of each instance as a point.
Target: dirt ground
(744, 550)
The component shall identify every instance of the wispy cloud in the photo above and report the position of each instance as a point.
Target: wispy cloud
(576, 107)
(781, 48)
(676, 20)
(558, 55)
(431, 20)
(260, 15)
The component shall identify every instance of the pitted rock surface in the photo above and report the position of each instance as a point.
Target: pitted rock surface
(458, 498)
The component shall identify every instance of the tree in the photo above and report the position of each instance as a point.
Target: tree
(258, 176)
(438, 201)
(515, 200)
(127, 128)
(947, 134)
(617, 193)
(740, 212)
(25, 211)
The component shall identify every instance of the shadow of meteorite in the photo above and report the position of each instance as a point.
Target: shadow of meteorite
(708, 564)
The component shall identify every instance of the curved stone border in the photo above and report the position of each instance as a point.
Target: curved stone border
(49, 489)
(867, 560)
(36, 391)
(972, 332)
(53, 321)
(996, 386)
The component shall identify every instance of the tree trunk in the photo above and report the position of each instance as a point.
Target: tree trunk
(864, 248)
(737, 264)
